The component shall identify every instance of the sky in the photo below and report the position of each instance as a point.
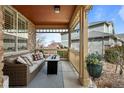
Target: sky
(49, 37)
(114, 13)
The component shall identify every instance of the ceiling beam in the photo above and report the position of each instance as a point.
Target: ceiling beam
(51, 26)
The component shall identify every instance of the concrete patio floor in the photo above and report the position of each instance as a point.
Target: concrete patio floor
(70, 76)
(67, 77)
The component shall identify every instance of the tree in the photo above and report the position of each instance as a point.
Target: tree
(41, 42)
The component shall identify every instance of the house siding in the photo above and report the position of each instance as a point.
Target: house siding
(97, 28)
(95, 46)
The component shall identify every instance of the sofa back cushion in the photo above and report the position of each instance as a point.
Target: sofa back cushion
(24, 60)
(21, 60)
(27, 61)
(29, 57)
(10, 60)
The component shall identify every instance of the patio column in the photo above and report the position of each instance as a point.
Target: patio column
(1, 46)
(83, 75)
(69, 43)
(16, 32)
(31, 36)
(69, 38)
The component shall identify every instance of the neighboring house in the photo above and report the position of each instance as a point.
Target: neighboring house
(121, 36)
(99, 41)
(101, 35)
(51, 48)
(101, 26)
(54, 45)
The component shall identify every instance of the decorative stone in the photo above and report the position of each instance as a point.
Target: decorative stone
(31, 36)
(1, 66)
(1, 47)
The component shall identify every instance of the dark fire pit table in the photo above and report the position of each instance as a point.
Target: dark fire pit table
(52, 64)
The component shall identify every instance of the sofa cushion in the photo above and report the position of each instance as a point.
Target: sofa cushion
(10, 60)
(34, 66)
(36, 57)
(29, 57)
(42, 55)
(21, 60)
(27, 61)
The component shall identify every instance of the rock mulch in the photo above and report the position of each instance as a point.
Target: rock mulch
(110, 78)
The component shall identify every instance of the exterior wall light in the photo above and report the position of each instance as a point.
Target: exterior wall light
(57, 9)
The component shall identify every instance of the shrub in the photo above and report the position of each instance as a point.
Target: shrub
(94, 58)
(112, 54)
(62, 54)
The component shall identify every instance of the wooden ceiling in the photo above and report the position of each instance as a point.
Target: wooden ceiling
(45, 15)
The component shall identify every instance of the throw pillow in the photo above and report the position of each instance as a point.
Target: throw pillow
(38, 56)
(41, 55)
(28, 61)
(35, 58)
(21, 60)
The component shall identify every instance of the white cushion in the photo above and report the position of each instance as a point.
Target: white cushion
(27, 61)
(21, 60)
(37, 63)
(29, 56)
(32, 68)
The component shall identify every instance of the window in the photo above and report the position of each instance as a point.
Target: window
(22, 25)
(22, 43)
(9, 42)
(9, 30)
(15, 30)
(9, 17)
(22, 33)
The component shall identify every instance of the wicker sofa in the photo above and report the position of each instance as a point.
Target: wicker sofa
(21, 74)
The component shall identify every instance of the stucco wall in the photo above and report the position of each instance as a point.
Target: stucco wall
(1, 47)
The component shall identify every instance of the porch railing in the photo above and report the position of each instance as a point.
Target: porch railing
(63, 53)
(74, 58)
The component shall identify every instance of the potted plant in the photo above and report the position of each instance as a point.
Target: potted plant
(94, 65)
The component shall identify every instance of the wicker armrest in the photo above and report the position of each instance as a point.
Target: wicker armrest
(18, 73)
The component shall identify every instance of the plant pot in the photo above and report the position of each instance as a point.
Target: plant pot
(94, 70)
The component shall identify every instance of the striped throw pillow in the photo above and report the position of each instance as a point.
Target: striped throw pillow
(27, 61)
(21, 60)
